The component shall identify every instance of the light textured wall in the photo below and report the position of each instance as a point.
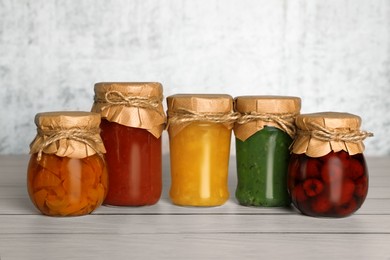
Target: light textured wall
(334, 54)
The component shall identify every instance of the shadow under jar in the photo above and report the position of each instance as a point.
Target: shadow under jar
(67, 173)
(328, 175)
(132, 123)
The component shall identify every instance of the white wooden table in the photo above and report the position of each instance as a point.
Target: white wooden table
(165, 231)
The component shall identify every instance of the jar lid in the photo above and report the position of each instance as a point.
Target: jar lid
(71, 134)
(66, 120)
(133, 104)
(260, 111)
(331, 120)
(184, 109)
(143, 89)
(268, 104)
(320, 133)
(202, 103)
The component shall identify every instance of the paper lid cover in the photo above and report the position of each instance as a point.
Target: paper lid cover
(186, 108)
(133, 104)
(320, 133)
(260, 111)
(71, 134)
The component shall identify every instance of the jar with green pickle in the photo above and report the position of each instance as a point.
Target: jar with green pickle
(264, 133)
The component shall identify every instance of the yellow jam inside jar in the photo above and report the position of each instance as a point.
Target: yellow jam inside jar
(199, 165)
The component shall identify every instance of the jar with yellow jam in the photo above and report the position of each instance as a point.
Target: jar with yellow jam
(199, 128)
(67, 174)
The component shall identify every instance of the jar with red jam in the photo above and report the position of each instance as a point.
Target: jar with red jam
(327, 174)
(132, 123)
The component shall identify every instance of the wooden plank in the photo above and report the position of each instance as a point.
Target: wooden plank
(19, 206)
(20, 191)
(194, 246)
(378, 188)
(193, 224)
(370, 207)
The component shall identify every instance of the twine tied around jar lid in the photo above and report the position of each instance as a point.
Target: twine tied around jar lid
(185, 116)
(87, 137)
(284, 121)
(339, 135)
(67, 134)
(324, 132)
(184, 109)
(131, 104)
(258, 112)
(114, 98)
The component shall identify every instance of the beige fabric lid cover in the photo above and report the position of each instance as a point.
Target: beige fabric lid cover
(320, 133)
(279, 106)
(68, 134)
(217, 108)
(133, 104)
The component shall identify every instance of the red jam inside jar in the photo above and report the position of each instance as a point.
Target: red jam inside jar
(334, 185)
(134, 163)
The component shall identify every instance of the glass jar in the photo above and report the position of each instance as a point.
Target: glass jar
(132, 123)
(264, 134)
(328, 175)
(66, 174)
(199, 139)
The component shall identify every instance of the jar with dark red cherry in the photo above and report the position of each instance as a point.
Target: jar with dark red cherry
(327, 174)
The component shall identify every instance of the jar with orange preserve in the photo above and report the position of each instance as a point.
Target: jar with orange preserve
(328, 175)
(67, 175)
(199, 128)
(132, 123)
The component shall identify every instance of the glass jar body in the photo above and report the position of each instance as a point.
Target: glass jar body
(262, 165)
(134, 164)
(62, 186)
(199, 157)
(334, 185)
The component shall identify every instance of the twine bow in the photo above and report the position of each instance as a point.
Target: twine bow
(284, 121)
(89, 137)
(117, 98)
(339, 135)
